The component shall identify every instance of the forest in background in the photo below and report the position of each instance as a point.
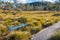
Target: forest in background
(43, 5)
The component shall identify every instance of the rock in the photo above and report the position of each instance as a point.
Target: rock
(46, 33)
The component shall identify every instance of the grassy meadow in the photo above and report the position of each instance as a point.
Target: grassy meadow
(36, 20)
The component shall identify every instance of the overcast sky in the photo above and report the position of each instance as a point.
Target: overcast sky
(27, 1)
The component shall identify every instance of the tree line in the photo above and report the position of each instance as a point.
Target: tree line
(32, 6)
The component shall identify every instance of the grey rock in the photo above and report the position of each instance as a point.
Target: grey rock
(46, 33)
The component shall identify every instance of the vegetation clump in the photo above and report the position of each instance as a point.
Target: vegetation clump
(56, 36)
(18, 35)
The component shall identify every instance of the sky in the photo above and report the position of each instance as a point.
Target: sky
(28, 1)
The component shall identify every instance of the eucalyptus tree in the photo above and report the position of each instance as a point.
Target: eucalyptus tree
(1, 2)
(15, 3)
(57, 3)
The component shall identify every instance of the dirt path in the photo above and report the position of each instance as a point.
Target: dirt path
(46, 33)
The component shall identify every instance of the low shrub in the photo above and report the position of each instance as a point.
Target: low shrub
(22, 20)
(56, 36)
(18, 35)
(35, 30)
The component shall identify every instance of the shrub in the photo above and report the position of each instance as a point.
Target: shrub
(28, 28)
(56, 15)
(18, 35)
(3, 30)
(22, 20)
(23, 29)
(7, 21)
(56, 36)
(37, 23)
(32, 25)
(16, 23)
(34, 30)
